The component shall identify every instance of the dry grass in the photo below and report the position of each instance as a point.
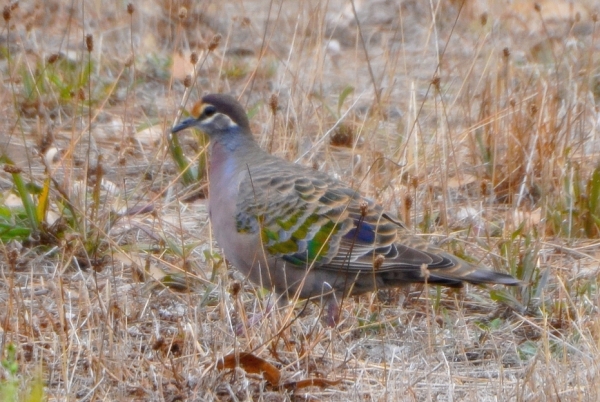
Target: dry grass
(479, 130)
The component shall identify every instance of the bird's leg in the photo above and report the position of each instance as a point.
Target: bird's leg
(256, 318)
(331, 309)
(332, 313)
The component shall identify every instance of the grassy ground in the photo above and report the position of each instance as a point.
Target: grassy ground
(476, 123)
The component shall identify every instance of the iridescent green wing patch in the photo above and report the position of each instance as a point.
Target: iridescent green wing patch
(307, 240)
(301, 215)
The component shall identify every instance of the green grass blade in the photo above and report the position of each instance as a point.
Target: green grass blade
(30, 209)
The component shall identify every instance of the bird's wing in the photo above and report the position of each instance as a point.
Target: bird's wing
(310, 219)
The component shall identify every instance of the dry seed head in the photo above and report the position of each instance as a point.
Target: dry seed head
(537, 7)
(595, 17)
(80, 94)
(6, 13)
(533, 109)
(99, 169)
(182, 13)
(235, 288)
(89, 42)
(436, 82)
(12, 169)
(363, 208)
(343, 136)
(53, 58)
(12, 256)
(187, 81)
(194, 58)
(483, 19)
(414, 182)
(158, 344)
(484, 187)
(506, 52)
(378, 262)
(408, 202)
(214, 42)
(512, 102)
(130, 8)
(273, 103)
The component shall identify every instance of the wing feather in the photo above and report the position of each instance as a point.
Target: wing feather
(310, 219)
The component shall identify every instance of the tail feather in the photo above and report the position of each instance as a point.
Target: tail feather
(477, 276)
(451, 276)
(465, 272)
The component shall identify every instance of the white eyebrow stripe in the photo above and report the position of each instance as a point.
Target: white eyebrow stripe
(209, 120)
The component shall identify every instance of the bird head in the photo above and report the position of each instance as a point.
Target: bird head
(216, 114)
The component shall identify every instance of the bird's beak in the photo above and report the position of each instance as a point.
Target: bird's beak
(187, 123)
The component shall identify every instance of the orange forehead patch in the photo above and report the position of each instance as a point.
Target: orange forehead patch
(197, 108)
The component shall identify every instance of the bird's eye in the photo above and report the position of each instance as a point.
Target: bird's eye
(209, 111)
